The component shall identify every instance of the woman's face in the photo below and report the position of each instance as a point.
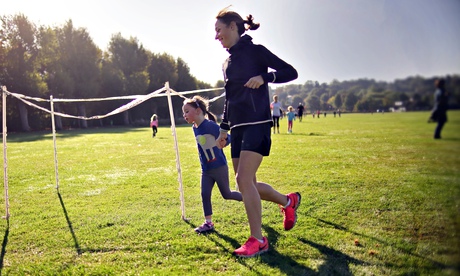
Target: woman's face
(226, 34)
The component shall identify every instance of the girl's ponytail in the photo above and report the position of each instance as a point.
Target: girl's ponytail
(211, 116)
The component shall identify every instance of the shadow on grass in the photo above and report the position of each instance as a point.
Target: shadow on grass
(210, 235)
(336, 263)
(284, 263)
(455, 139)
(69, 223)
(272, 258)
(436, 264)
(4, 243)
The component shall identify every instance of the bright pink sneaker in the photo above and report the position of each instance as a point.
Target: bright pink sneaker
(252, 248)
(290, 212)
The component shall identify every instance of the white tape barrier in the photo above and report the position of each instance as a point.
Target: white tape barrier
(195, 91)
(137, 99)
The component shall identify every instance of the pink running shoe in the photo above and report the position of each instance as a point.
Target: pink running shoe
(290, 212)
(252, 248)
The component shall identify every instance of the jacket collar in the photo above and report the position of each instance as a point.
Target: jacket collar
(242, 42)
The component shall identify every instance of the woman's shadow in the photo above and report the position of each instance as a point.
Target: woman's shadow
(336, 263)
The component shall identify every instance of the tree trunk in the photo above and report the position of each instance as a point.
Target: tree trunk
(126, 118)
(23, 114)
(82, 112)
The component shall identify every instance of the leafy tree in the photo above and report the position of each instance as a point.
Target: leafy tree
(338, 100)
(219, 83)
(185, 82)
(296, 100)
(323, 99)
(58, 81)
(313, 102)
(131, 59)
(317, 91)
(112, 85)
(350, 101)
(80, 61)
(369, 104)
(162, 68)
(19, 61)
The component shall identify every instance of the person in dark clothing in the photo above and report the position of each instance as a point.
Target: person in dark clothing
(300, 110)
(247, 114)
(439, 112)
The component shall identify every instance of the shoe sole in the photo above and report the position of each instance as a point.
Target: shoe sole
(202, 232)
(253, 255)
(295, 211)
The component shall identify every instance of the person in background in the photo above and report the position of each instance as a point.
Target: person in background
(300, 110)
(247, 114)
(154, 124)
(276, 113)
(291, 118)
(214, 168)
(439, 112)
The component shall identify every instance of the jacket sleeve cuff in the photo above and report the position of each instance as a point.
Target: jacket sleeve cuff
(224, 127)
(269, 77)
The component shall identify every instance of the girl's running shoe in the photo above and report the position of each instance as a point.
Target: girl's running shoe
(205, 227)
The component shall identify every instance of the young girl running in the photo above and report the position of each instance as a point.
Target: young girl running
(154, 124)
(291, 118)
(214, 168)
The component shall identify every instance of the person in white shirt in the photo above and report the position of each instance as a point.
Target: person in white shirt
(276, 113)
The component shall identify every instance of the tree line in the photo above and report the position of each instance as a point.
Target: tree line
(63, 61)
(367, 95)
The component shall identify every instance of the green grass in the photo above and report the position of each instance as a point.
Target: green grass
(380, 179)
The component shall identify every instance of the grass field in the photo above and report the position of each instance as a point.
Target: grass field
(380, 196)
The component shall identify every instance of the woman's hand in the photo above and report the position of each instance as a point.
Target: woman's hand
(221, 141)
(255, 82)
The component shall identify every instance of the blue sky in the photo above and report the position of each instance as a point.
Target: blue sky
(323, 39)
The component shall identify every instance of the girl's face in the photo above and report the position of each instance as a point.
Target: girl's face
(190, 113)
(226, 34)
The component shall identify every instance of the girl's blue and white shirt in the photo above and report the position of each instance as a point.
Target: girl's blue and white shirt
(211, 156)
